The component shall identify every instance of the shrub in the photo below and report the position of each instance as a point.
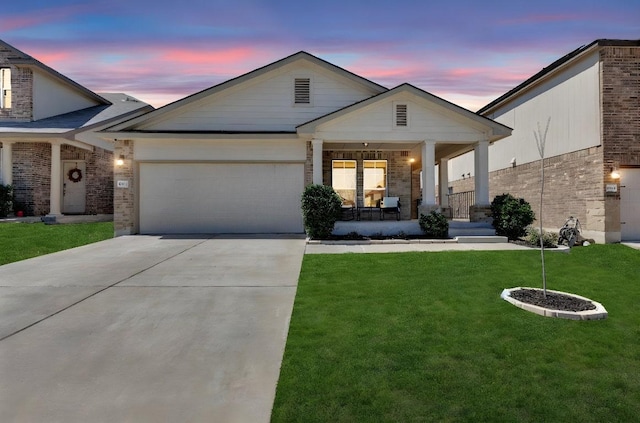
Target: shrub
(549, 239)
(434, 225)
(511, 216)
(321, 208)
(6, 199)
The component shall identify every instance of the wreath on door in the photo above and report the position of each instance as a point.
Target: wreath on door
(75, 175)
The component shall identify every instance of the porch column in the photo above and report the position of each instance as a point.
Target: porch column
(481, 169)
(56, 180)
(443, 182)
(7, 163)
(428, 173)
(317, 161)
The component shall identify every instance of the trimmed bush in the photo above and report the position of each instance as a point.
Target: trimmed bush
(434, 225)
(511, 216)
(549, 239)
(321, 208)
(6, 200)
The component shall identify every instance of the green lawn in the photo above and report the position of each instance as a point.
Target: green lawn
(421, 337)
(19, 241)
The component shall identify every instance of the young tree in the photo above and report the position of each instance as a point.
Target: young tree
(541, 140)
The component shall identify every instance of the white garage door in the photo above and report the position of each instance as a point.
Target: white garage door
(220, 198)
(630, 204)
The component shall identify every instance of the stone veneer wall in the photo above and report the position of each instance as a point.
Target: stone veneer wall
(21, 90)
(573, 187)
(124, 212)
(620, 119)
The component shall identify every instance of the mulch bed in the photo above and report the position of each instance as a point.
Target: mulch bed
(553, 300)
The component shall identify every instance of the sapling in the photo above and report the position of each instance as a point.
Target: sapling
(541, 140)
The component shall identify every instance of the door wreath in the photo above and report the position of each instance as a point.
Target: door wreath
(75, 175)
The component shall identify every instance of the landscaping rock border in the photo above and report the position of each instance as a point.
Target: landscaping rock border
(597, 313)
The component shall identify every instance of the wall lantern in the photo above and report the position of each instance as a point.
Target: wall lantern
(120, 160)
(615, 174)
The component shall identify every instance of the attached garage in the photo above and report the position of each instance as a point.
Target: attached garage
(630, 204)
(220, 197)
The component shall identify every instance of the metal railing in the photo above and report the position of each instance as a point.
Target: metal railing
(460, 202)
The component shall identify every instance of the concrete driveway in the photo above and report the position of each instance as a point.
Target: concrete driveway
(147, 329)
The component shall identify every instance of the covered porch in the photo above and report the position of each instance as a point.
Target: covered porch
(398, 144)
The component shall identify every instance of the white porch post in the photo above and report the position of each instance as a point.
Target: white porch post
(317, 161)
(56, 180)
(7, 163)
(481, 162)
(443, 182)
(428, 173)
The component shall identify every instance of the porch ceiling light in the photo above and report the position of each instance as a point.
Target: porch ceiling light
(120, 160)
(366, 144)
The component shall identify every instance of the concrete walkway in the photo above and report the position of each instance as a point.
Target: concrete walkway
(147, 329)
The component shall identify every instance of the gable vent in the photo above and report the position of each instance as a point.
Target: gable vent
(302, 91)
(401, 115)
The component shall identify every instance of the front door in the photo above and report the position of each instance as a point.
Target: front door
(73, 187)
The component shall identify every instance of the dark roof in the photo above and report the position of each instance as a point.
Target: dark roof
(21, 58)
(558, 63)
(120, 105)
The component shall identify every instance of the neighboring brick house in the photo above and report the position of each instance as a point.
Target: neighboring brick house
(592, 154)
(50, 152)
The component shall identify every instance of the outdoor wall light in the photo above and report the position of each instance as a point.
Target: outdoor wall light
(615, 174)
(120, 160)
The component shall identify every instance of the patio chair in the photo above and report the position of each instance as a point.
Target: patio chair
(390, 205)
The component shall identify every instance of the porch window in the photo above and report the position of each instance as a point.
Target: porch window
(5, 88)
(343, 180)
(374, 181)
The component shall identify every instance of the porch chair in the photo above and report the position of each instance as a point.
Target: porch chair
(390, 205)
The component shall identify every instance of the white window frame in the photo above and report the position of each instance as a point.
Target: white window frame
(355, 178)
(382, 190)
(3, 88)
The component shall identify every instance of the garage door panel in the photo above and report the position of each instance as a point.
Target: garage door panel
(630, 204)
(220, 198)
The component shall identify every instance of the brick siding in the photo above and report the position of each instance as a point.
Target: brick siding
(21, 90)
(398, 173)
(32, 177)
(124, 213)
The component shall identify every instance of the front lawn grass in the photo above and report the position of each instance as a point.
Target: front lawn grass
(418, 337)
(19, 241)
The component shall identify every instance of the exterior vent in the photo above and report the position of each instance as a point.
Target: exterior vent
(302, 91)
(401, 115)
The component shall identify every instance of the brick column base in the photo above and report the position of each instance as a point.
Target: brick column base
(480, 214)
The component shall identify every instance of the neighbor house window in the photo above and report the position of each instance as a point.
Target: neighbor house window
(401, 115)
(343, 180)
(5, 88)
(374, 181)
(302, 91)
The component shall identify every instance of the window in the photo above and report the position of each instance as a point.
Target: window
(401, 116)
(5, 88)
(343, 180)
(302, 91)
(374, 181)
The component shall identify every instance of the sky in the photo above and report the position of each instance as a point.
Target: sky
(468, 52)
